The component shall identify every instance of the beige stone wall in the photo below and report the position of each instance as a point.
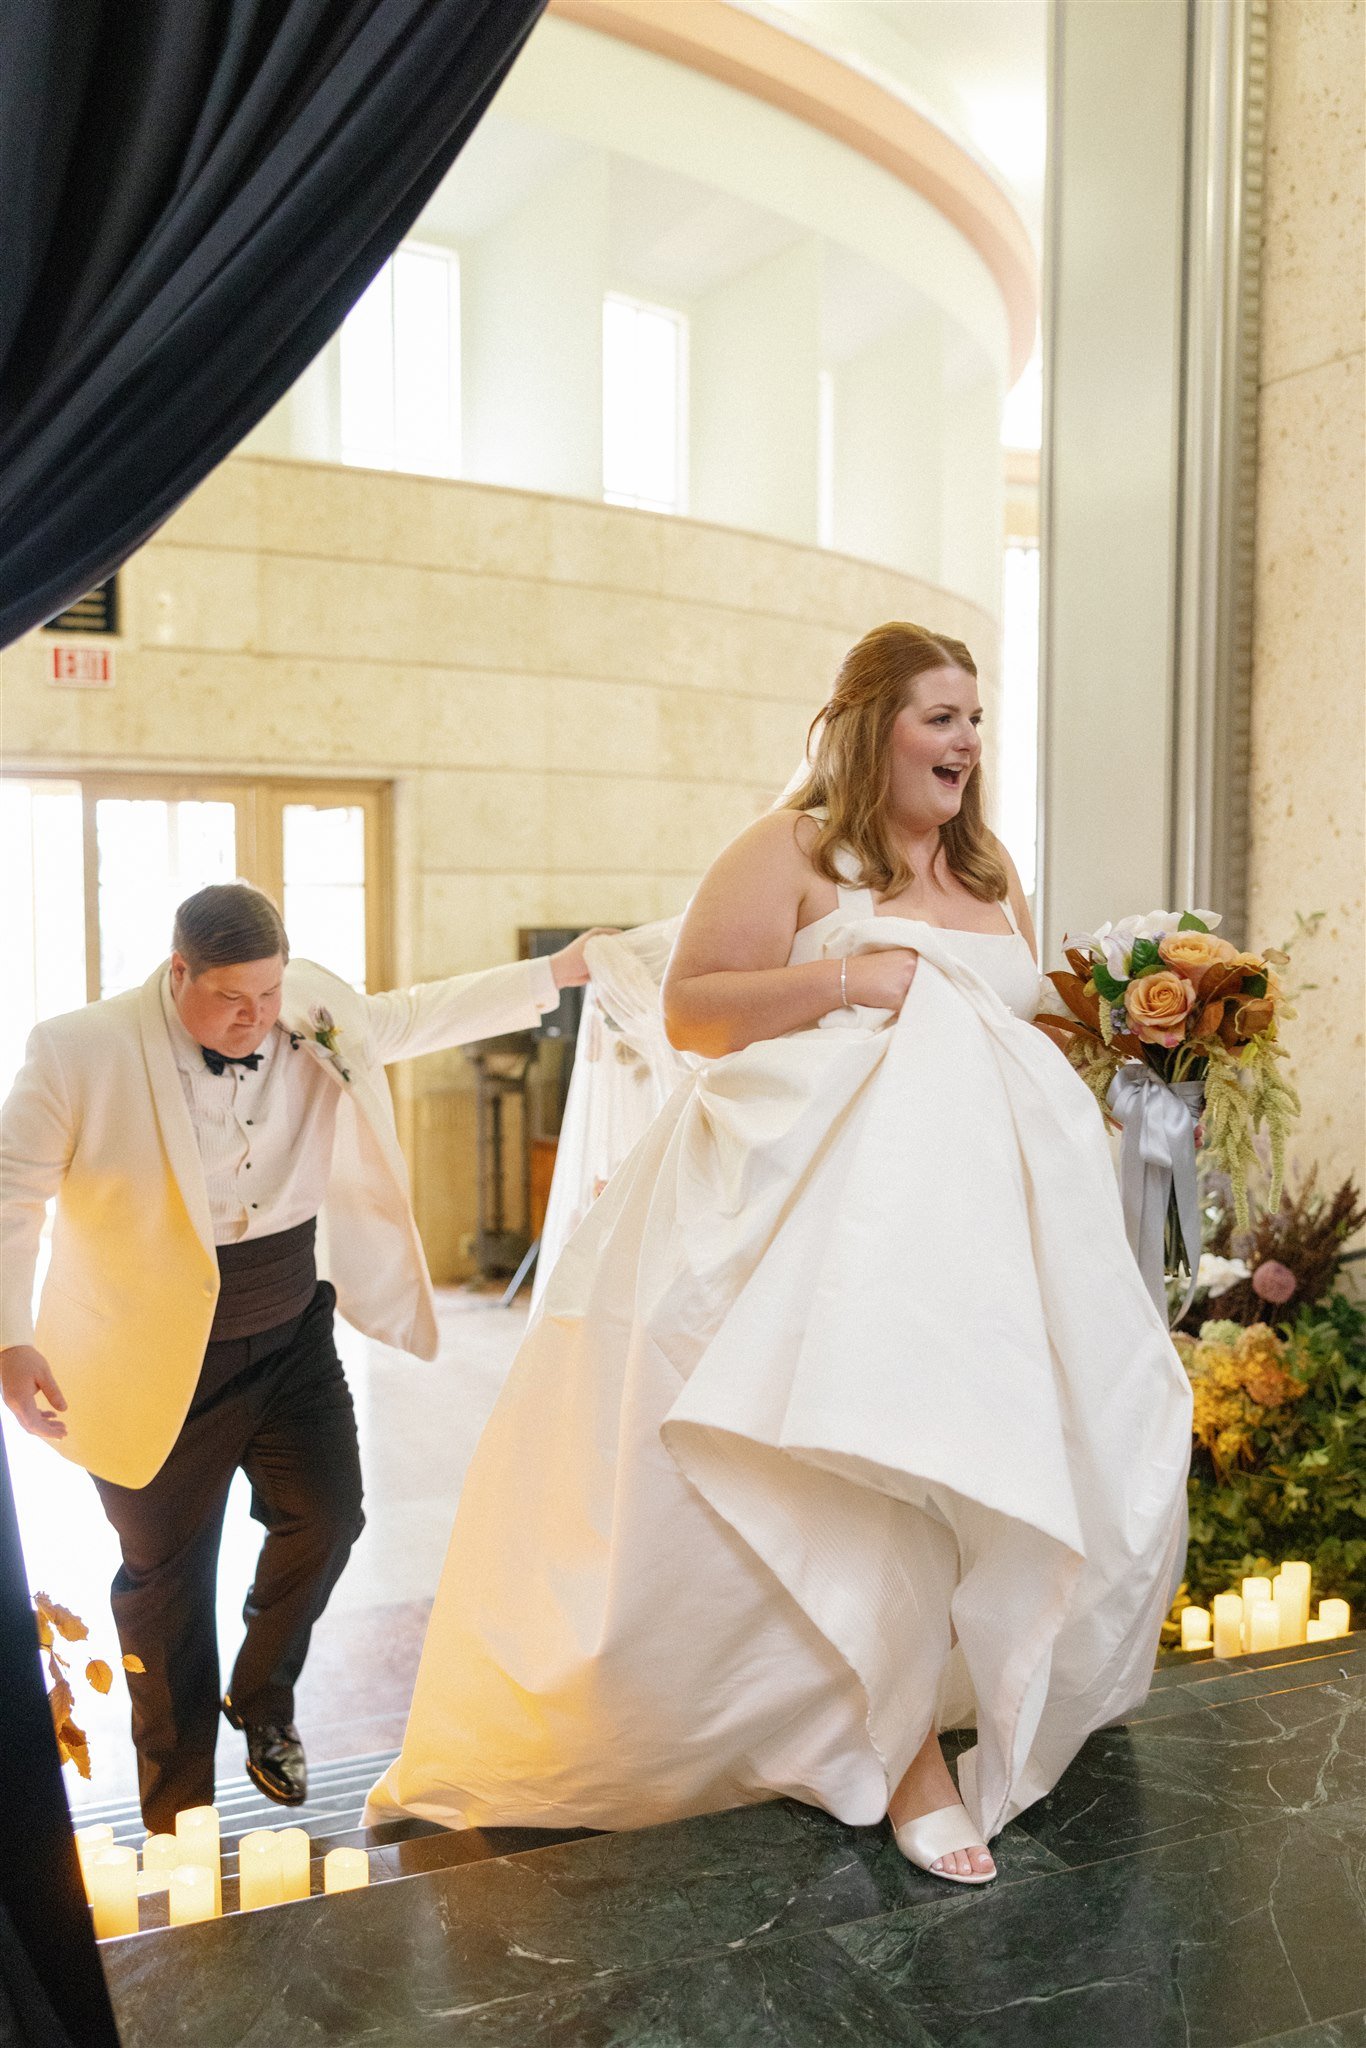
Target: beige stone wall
(575, 705)
(1307, 761)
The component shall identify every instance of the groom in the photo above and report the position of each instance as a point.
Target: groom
(193, 1131)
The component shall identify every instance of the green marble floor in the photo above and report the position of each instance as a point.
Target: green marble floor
(1195, 1881)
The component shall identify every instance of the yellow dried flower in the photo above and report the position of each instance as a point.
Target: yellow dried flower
(1230, 1445)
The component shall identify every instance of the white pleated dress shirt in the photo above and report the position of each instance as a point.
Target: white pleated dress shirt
(265, 1137)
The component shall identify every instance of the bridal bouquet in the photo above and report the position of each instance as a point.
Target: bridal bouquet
(1175, 1030)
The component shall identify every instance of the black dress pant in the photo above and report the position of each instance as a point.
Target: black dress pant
(284, 1416)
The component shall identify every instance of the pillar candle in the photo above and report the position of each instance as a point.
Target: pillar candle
(258, 1870)
(191, 1894)
(159, 1853)
(1253, 1590)
(1195, 1628)
(114, 1892)
(196, 1833)
(1338, 1616)
(294, 1854)
(1228, 1624)
(345, 1870)
(1264, 1626)
(1318, 1632)
(1290, 1591)
(89, 1842)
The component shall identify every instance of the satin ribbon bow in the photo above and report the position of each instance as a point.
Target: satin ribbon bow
(1157, 1156)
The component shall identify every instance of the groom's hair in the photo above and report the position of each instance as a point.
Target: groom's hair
(226, 925)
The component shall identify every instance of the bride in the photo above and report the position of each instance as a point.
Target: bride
(846, 1417)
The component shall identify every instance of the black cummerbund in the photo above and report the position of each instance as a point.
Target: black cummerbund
(264, 1281)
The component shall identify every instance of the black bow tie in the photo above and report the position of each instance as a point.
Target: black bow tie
(217, 1061)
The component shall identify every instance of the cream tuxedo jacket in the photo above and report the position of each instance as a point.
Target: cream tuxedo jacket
(97, 1117)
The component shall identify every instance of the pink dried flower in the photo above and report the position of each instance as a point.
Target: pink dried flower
(1273, 1282)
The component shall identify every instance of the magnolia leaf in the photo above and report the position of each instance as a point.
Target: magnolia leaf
(1191, 923)
(134, 1664)
(98, 1674)
(1078, 961)
(1080, 1000)
(69, 1626)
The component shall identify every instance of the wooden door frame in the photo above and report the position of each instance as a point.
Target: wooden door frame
(259, 802)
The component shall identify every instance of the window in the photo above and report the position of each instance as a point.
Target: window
(96, 865)
(400, 366)
(644, 413)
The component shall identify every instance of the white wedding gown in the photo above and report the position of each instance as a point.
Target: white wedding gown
(847, 1415)
(624, 1072)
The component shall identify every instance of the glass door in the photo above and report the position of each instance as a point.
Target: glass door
(95, 866)
(150, 854)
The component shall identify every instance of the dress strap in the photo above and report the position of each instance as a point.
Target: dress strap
(850, 894)
(1011, 919)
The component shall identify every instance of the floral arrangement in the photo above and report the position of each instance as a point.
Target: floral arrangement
(1165, 991)
(1276, 1356)
(325, 1035)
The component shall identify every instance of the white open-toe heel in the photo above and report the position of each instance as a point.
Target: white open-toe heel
(937, 1834)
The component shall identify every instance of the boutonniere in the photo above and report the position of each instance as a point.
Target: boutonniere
(325, 1034)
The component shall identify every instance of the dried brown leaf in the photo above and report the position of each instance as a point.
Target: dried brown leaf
(61, 1700)
(1080, 1000)
(1069, 1027)
(73, 1747)
(1064, 1031)
(69, 1626)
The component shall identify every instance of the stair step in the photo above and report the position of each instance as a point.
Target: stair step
(241, 1807)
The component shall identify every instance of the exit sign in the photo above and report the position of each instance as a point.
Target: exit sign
(81, 667)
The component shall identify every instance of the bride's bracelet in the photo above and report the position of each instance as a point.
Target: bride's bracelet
(845, 1003)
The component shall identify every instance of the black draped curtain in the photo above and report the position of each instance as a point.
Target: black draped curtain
(193, 194)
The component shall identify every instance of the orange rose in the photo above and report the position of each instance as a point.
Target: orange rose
(1157, 1006)
(1192, 952)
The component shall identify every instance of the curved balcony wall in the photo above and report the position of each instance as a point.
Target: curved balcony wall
(575, 705)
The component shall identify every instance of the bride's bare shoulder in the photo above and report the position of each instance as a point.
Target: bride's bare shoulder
(770, 851)
(779, 842)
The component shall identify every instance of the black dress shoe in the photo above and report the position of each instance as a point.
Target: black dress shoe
(276, 1763)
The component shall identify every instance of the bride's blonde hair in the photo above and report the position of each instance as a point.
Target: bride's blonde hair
(850, 774)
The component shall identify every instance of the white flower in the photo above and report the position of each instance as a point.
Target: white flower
(1216, 1276)
(1114, 943)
